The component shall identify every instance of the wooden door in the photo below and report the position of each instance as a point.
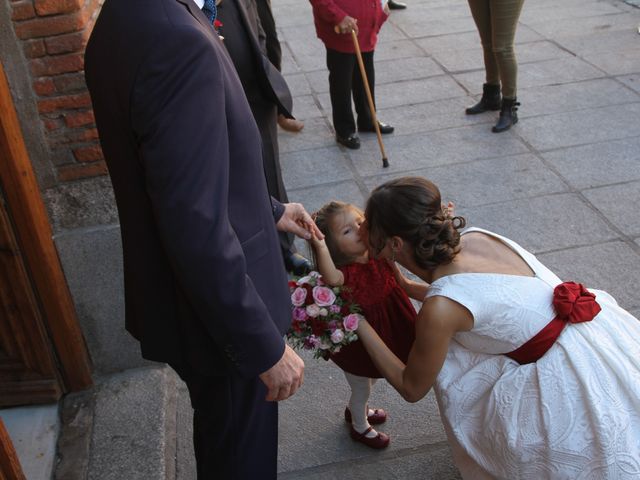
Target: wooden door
(28, 372)
(42, 350)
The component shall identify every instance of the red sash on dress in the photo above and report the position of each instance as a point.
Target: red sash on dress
(573, 304)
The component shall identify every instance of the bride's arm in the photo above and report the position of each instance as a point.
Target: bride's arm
(438, 320)
(413, 289)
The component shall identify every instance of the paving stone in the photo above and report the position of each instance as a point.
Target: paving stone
(469, 40)
(591, 126)
(631, 81)
(490, 181)
(619, 204)
(315, 197)
(549, 72)
(429, 116)
(601, 42)
(613, 267)
(543, 223)
(327, 164)
(430, 462)
(74, 442)
(531, 14)
(576, 96)
(319, 435)
(616, 63)
(298, 84)
(597, 164)
(390, 31)
(397, 49)
(316, 133)
(409, 92)
(425, 26)
(460, 60)
(306, 107)
(561, 28)
(414, 152)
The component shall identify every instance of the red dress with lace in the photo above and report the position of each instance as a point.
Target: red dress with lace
(386, 307)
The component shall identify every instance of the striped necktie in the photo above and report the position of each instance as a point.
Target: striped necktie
(209, 9)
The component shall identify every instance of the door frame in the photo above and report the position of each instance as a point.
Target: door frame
(35, 238)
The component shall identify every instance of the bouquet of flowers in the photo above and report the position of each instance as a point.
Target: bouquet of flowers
(323, 321)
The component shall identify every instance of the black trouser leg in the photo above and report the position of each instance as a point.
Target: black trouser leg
(365, 119)
(235, 430)
(341, 67)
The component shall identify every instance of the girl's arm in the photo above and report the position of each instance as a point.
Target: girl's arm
(415, 290)
(438, 320)
(330, 274)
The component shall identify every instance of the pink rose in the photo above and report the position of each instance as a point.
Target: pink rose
(350, 322)
(324, 296)
(337, 336)
(299, 314)
(298, 296)
(313, 310)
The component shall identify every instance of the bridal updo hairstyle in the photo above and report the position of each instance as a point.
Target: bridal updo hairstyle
(411, 208)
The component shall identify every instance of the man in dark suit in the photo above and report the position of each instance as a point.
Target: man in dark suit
(267, 93)
(205, 288)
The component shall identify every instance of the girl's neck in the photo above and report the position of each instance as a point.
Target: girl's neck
(364, 258)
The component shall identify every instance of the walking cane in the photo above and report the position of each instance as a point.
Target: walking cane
(363, 74)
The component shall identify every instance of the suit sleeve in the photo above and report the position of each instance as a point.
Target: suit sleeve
(180, 125)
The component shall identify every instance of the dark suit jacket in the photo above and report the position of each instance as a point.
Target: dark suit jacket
(205, 287)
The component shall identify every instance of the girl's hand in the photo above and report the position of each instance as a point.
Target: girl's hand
(346, 25)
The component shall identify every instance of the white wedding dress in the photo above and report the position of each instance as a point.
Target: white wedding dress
(574, 414)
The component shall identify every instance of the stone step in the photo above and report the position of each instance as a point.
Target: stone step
(124, 428)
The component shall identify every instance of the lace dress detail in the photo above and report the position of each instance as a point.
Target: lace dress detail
(573, 414)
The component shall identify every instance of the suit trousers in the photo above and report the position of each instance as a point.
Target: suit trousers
(266, 117)
(344, 81)
(235, 430)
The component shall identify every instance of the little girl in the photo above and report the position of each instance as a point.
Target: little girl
(382, 292)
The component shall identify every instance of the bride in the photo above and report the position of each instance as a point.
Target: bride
(535, 378)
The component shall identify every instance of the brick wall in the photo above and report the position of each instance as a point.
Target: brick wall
(53, 34)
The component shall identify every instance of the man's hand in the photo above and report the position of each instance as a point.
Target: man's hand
(296, 220)
(346, 25)
(285, 377)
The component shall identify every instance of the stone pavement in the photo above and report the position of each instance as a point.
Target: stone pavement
(564, 182)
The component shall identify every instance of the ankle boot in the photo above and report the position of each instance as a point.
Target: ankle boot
(490, 100)
(508, 115)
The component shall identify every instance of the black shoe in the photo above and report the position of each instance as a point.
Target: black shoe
(393, 5)
(296, 264)
(384, 128)
(508, 115)
(351, 141)
(490, 100)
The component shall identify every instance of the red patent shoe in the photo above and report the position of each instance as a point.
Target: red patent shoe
(381, 440)
(376, 418)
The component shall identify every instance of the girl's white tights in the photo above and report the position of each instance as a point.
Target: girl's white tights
(358, 403)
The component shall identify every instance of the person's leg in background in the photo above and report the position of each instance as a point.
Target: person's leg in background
(504, 21)
(341, 66)
(491, 99)
(360, 98)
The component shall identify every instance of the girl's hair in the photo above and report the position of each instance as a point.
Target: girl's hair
(411, 208)
(324, 219)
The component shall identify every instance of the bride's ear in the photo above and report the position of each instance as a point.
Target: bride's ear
(396, 244)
